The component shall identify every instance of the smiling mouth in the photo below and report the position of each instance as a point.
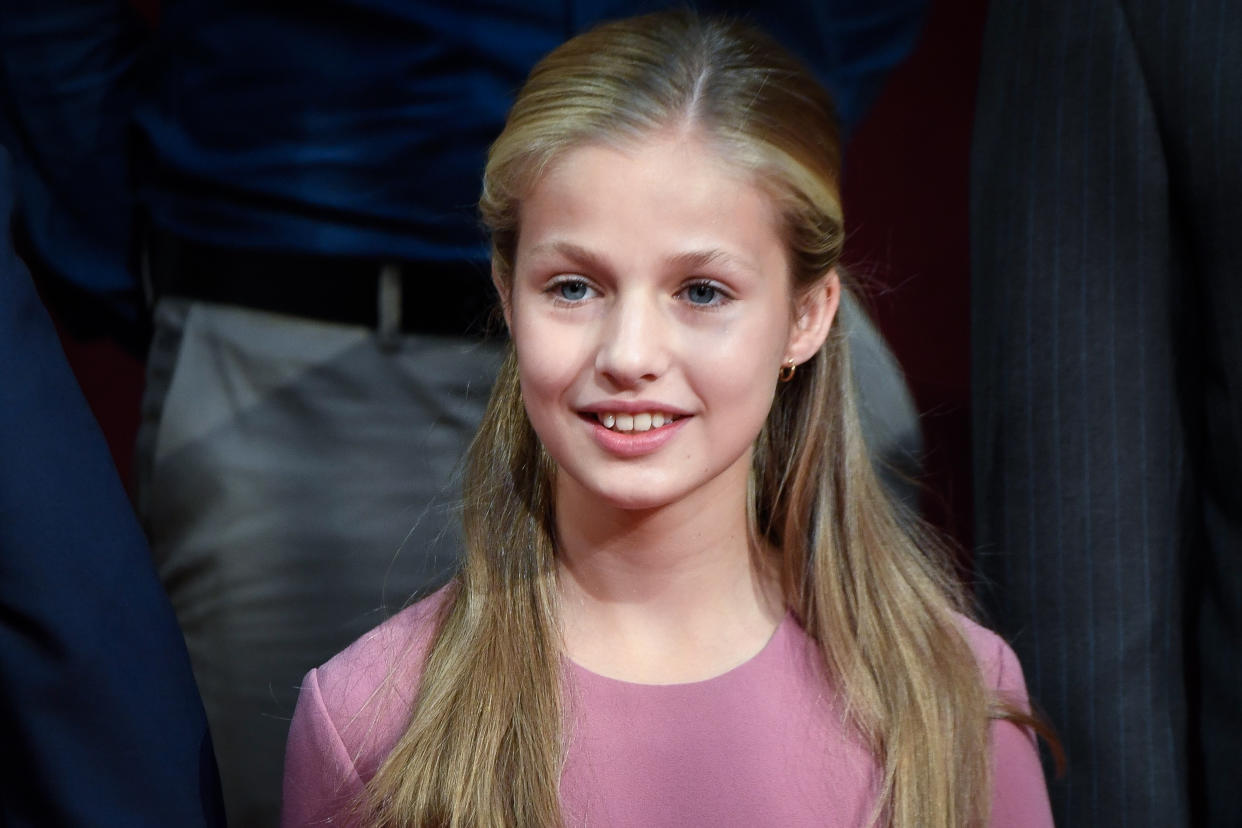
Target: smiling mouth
(627, 423)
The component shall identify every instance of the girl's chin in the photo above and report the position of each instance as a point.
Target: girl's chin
(588, 486)
(629, 501)
(639, 497)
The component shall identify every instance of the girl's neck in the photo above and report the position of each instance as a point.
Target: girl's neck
(664, 595)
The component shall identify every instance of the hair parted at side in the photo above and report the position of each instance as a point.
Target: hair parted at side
(484, 746)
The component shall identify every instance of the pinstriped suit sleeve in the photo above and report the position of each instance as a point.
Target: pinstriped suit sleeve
(1106, 202)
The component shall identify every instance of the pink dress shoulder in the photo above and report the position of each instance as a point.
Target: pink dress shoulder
(350, 714)
(762, 744)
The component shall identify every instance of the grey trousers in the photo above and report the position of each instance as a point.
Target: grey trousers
(299, 484)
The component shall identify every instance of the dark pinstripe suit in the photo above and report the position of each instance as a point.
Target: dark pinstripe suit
(1106, 213)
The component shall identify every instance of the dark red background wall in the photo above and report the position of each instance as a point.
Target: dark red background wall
(906, 205)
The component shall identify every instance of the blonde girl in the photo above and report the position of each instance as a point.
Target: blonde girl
(685, 598)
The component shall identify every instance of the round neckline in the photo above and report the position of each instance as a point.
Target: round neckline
(769, 646)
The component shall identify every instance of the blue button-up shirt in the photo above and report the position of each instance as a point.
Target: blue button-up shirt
(345, 127)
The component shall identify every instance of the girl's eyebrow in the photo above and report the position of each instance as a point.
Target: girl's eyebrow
(699, 259)
(577, 254)
(690, 260)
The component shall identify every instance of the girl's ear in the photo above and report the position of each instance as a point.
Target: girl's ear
(505, 297)
(816, 310)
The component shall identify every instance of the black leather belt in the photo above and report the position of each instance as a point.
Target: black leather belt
(444, 298)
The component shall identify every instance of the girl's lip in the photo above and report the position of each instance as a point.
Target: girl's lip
(632, 407)
(633, 443)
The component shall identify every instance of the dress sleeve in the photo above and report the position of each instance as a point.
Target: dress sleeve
(1019, 793)
(322, 785)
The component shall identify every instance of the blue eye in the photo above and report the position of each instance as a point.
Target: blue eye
(572, 290)
(702, 293)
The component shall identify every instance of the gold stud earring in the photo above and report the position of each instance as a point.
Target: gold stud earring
(787, 371)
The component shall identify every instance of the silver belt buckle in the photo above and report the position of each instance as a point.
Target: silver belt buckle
(388, 297)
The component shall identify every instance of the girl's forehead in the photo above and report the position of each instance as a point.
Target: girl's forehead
(667, 168)
(670, 196)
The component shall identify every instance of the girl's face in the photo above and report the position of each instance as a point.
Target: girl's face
(651, 309)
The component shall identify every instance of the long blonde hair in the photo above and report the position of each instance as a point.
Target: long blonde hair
(484, 746)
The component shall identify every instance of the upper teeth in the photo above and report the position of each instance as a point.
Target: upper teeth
(634, 422)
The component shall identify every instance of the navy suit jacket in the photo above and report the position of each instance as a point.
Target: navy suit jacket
(100, 720)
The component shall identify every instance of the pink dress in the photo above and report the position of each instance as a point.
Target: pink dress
(762, 744)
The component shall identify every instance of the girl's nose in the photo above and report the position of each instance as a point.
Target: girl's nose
(633, 349)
